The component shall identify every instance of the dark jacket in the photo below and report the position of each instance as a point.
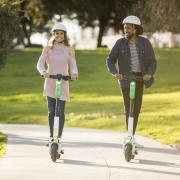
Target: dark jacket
(120, 54)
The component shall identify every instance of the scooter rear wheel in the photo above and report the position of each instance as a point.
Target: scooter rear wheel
(128, 152)
(54, 152)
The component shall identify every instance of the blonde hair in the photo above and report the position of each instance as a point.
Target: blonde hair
(52, 40)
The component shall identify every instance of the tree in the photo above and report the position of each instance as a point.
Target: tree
(33, 18)
(159, 15)
(9, 28)
(102, 13)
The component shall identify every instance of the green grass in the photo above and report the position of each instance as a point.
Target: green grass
(96, 101)
(2, 144)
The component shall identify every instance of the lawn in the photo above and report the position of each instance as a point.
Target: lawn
(2, 143)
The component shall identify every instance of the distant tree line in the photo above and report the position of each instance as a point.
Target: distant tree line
(156, 15)
(20, 18)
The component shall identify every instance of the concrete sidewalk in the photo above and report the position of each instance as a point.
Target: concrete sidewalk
(89, 155)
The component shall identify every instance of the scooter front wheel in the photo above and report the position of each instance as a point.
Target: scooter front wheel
(54, 152)
(128, 152)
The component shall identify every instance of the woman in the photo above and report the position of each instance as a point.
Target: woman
(58, 56)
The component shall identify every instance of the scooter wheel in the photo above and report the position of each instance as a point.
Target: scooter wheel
(54, 152)
(128, 152)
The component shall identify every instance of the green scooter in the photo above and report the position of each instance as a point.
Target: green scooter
(129, 148)
(55, 147)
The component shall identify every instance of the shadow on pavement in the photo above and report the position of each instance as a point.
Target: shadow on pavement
(41, 141)
(87, 163)
(19, 140)
(158, 163)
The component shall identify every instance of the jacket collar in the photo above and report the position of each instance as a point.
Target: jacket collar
(137, 40)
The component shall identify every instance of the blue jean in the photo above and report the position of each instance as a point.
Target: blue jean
(59, 111)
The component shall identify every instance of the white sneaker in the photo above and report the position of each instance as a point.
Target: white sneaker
(60, 150)
(137, 145)
(49, 141)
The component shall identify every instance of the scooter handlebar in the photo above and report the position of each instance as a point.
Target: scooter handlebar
(133, 77)
(60, 76)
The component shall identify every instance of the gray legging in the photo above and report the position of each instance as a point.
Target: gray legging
(51, 113)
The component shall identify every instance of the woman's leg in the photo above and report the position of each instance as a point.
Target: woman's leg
(51, 113)
(60, 112)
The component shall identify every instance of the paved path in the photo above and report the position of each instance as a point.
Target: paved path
(89, 155)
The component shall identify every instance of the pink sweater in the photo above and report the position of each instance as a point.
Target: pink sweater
(58, 61)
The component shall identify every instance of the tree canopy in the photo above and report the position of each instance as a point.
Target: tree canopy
(9, 26)
(155, 15)
(159, 15)
(31, 16)
(102, 13)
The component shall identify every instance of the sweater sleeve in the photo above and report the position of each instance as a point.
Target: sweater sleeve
(42, 60)
(72, 61)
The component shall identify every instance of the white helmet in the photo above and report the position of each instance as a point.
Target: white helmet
(132, 20)
(59, 26)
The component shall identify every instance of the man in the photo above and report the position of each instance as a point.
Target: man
(134, 55)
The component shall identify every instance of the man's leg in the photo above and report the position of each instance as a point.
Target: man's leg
(137, 103)
(125, 93)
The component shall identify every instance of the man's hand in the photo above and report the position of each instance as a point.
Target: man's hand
(118, 76)
(74, 77)
(147, 77)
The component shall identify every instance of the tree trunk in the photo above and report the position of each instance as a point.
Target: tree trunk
(102, 26)
(24, 23)
(26, 34)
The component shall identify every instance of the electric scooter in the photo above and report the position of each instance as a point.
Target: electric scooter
(55, 146)
(129, 148)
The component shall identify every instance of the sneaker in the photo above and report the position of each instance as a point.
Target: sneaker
(60, 141)
(49, 141)
(60, 150)
(137, 145)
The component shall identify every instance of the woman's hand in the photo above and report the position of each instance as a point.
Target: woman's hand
(74, 77)
(46, 75)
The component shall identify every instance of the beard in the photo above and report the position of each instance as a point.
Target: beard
(129, 35)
